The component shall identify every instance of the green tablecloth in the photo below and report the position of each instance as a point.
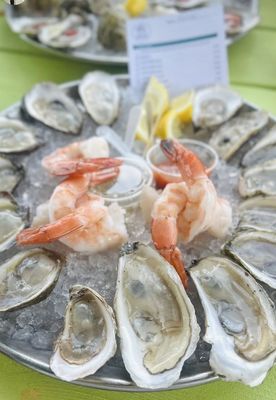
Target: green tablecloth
(252, 72)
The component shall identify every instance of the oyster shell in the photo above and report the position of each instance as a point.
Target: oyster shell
(47, 103)
(256, 251)
(70, 32)
(240, 321)
(27, 277)
(88, 339)
(260, 179)
(15, 137)
(263, 151)
(215, 105)
(112, 29)
(11, 222)
(258, 213)
(100, 7)
(227, 139)
(101, 97)
(260, 203)
(156, 320)
(10, 175)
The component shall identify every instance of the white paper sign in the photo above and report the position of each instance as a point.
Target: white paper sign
(185, 50)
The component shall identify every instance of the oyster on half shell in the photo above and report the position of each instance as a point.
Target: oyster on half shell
(215, 105)
(256, 251)
(240, 321)
(227, 139)
(28, 277)
(156, 321)
(11, 222)
(10, 175)
(88, 339)
(258, 213)
(15, 137)
(264, 150)
(49, 104)
(259, 179)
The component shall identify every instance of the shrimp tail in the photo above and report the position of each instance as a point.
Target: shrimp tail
(105, 175)
(50, 232)
(83, 166)
(173, 256)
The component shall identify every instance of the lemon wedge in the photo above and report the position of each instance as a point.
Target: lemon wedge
(179, 113)
(155, 103)
(136, 7)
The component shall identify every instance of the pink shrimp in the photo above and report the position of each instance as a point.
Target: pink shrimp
(187, 208)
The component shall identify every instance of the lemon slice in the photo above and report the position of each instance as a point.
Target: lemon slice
(180, 112)
(155, 103)
(136, 7)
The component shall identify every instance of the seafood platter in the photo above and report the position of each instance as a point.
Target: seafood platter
(95, 30)
(144, 266)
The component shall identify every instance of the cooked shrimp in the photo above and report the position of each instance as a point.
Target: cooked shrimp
(80, 219)
(78, 153)
(187, 208)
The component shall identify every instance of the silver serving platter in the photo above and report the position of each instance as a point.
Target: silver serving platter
(113, 375)
(94, 52)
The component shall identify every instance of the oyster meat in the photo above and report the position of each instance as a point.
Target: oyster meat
(227, 139)
(10, 175)
(47, 103)
(11, 222)
(156, 321)
(215, 105)
(112, 29)
(240, 321)
(101, 97)
(70, 32)
(88, 339)
(264, 150)
(260, 179)
(27, 277)
(256, 251)
(15, 137)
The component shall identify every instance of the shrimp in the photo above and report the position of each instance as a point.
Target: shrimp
(80, 219)
(187, 208)
(76, 157)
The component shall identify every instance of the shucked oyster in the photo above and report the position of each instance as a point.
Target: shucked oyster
(156, 320)
(11, 222)
(258, 213)
(10, 175)
(240, 321)
(263, 151)
(215, 105)
(256, 251)
(101, 97)
(47, 103)
(15, 137)
(234, 133)
(112, 29)
(88, 339)
(27, 277)
(259, 179)
(71, 32)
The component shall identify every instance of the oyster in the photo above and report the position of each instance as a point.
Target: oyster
(70, 32)
(10, 175)
(30, 25)
(259, 203)
(112, 29)
(101, 97)
(263, 151)
(156, 320)
(15, 137)
(240, 321)
(11, 223)
(258, 213)
(215, 105)
(227, 139)
(260, 179)
(88, 339)
(100, 7)
(27, 277)
(256, 251)
(47, 103)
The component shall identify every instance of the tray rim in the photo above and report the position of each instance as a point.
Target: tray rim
(96, 382)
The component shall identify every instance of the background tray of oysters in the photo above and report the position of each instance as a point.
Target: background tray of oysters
(93, 50)
(28, 334)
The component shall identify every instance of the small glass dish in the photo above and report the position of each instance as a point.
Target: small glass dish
(127, 187)
(169, 172)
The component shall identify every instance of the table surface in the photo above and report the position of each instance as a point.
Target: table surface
(252, 63)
